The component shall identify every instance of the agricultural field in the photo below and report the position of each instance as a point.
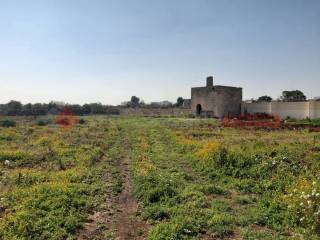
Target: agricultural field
(157, 178)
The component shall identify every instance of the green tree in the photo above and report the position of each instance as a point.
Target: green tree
(39, 109)
(135, 101)
(86, 109)
(265, 99)
(96, 108)
(27, 109)
(14, 108)
(293, 96)
(180, 101)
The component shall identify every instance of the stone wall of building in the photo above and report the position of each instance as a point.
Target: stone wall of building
(205, 97)
(298, 110)
(219, 101)
(228, 99)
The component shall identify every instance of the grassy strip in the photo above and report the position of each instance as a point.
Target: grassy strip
(54, 179)
(196, 186)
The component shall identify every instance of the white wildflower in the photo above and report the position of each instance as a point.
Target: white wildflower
(7, 162)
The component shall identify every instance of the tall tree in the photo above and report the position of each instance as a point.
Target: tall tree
(96, 108)
(180, 101)
(14, 108)
(265, 99)
(135, 101)
(293, 96)
(39, 109)
(27, 109)
(86, 109)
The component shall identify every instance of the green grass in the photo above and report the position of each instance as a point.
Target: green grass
(304, 121)
(242, 180)
(193, 178)
(51, 179)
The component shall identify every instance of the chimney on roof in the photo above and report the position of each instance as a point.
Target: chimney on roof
(210, 81)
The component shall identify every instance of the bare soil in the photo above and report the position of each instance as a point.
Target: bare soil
(121, 219)
(126, 221)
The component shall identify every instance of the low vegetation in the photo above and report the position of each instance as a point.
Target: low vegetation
(50, 180)
(202, 180)
(307, 121)
(8, 123)
(192, 178)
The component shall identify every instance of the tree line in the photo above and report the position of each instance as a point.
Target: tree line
(287, 96)
(16, 108)
(137, 102)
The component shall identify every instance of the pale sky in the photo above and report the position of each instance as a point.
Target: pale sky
(105, 51)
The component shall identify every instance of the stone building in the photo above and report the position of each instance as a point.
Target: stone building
(215, 101)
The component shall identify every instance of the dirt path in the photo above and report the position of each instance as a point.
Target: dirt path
(126, 223)
(120, 220)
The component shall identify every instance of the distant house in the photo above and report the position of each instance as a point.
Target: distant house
(161, 104)
(219, 101)
(186, 103)
(215, 100)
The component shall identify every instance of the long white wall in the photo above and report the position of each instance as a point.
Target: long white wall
(298, 110)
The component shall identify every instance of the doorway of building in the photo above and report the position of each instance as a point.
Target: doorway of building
(198, 109)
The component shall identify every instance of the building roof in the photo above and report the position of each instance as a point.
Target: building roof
(218, 86)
